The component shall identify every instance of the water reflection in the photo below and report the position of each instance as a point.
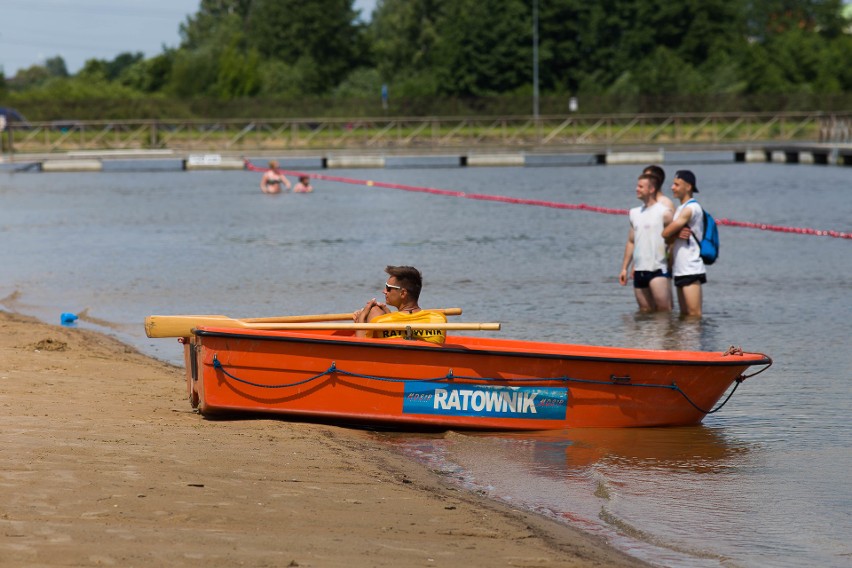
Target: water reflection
(668, 331)
(696, 448)
(571, 453)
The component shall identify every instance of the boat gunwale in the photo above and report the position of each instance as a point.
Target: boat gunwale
(411, 345)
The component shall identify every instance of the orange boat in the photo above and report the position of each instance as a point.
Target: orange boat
(466, 383)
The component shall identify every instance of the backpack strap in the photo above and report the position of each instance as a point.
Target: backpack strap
(703, 217)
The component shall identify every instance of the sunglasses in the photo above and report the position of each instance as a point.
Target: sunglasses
(389, 287)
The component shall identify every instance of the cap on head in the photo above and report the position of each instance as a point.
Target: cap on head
(688, 177)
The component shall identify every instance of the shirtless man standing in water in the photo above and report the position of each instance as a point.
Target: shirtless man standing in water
(272, 180)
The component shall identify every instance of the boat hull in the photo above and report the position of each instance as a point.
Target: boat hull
(470, 383)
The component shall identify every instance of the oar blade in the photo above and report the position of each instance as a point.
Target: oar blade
(182, 326)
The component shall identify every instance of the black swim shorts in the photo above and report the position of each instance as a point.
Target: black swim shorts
(642, 278)
(681, 281)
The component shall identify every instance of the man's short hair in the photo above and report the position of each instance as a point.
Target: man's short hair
(653, 181)
(657, 171)
(408, 277)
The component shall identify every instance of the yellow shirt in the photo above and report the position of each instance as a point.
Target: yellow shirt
(424, 316)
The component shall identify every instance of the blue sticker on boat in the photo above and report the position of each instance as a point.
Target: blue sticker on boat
(537, 403)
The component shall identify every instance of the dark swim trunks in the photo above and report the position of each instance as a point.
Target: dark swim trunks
(681, 281)
(642, 278)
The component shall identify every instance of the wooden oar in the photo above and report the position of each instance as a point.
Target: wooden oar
(490, 326)
(333, 317)
(182, 326)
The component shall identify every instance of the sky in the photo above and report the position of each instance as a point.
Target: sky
(32, 31)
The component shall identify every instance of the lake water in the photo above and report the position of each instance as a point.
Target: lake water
(762, 483)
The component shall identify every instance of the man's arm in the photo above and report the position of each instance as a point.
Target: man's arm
(628, 257)
(673, 229)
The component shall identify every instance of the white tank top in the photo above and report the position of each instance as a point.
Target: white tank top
(649, 247)
(687, 253)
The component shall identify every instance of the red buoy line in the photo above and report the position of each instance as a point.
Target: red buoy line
(551, 204)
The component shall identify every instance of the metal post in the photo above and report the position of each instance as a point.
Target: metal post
(535, 60)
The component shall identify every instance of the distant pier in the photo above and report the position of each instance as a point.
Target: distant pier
(160, 160)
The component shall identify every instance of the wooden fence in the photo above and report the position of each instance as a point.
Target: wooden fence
(430, 134)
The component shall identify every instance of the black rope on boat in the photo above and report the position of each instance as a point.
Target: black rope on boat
(450, 376)
(766, 366)
(217, 365)
(737, 382)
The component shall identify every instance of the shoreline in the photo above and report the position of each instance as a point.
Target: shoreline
(106, 463)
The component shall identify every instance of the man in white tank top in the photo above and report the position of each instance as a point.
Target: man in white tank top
(688, 268)
(646, 249)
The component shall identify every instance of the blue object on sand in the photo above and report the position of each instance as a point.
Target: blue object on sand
(68, 318)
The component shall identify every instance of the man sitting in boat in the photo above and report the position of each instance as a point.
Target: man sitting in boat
(402, 291)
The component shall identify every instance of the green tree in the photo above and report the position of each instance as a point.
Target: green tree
(665, 73)
(591, 46)
(835, 63)
(722, 74)
(607, 41)
(196, 70)
(280, 80)
(766, 18)
(763, 76)
(362, 83)
(564, 46)
(238, 73)
(88, 87)
(283, 49)
(193, 72)
(204, 24)
(93, 69)
(403, 35)
(56, 66)
(30, 77)
(322, 34)
(117, 66)
(150, 75)
(808, 62)
(485, 48)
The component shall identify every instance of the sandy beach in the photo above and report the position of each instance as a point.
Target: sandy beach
(104, 463)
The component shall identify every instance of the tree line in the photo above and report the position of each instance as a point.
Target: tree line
(302, 58)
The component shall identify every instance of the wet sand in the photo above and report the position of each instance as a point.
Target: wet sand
(104, 463)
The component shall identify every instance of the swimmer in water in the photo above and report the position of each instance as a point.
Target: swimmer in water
(271, 181)
(304, 185)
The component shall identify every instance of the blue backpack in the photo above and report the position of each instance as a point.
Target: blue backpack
(709, 245)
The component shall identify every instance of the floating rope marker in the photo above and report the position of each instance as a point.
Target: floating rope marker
(551, 204)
